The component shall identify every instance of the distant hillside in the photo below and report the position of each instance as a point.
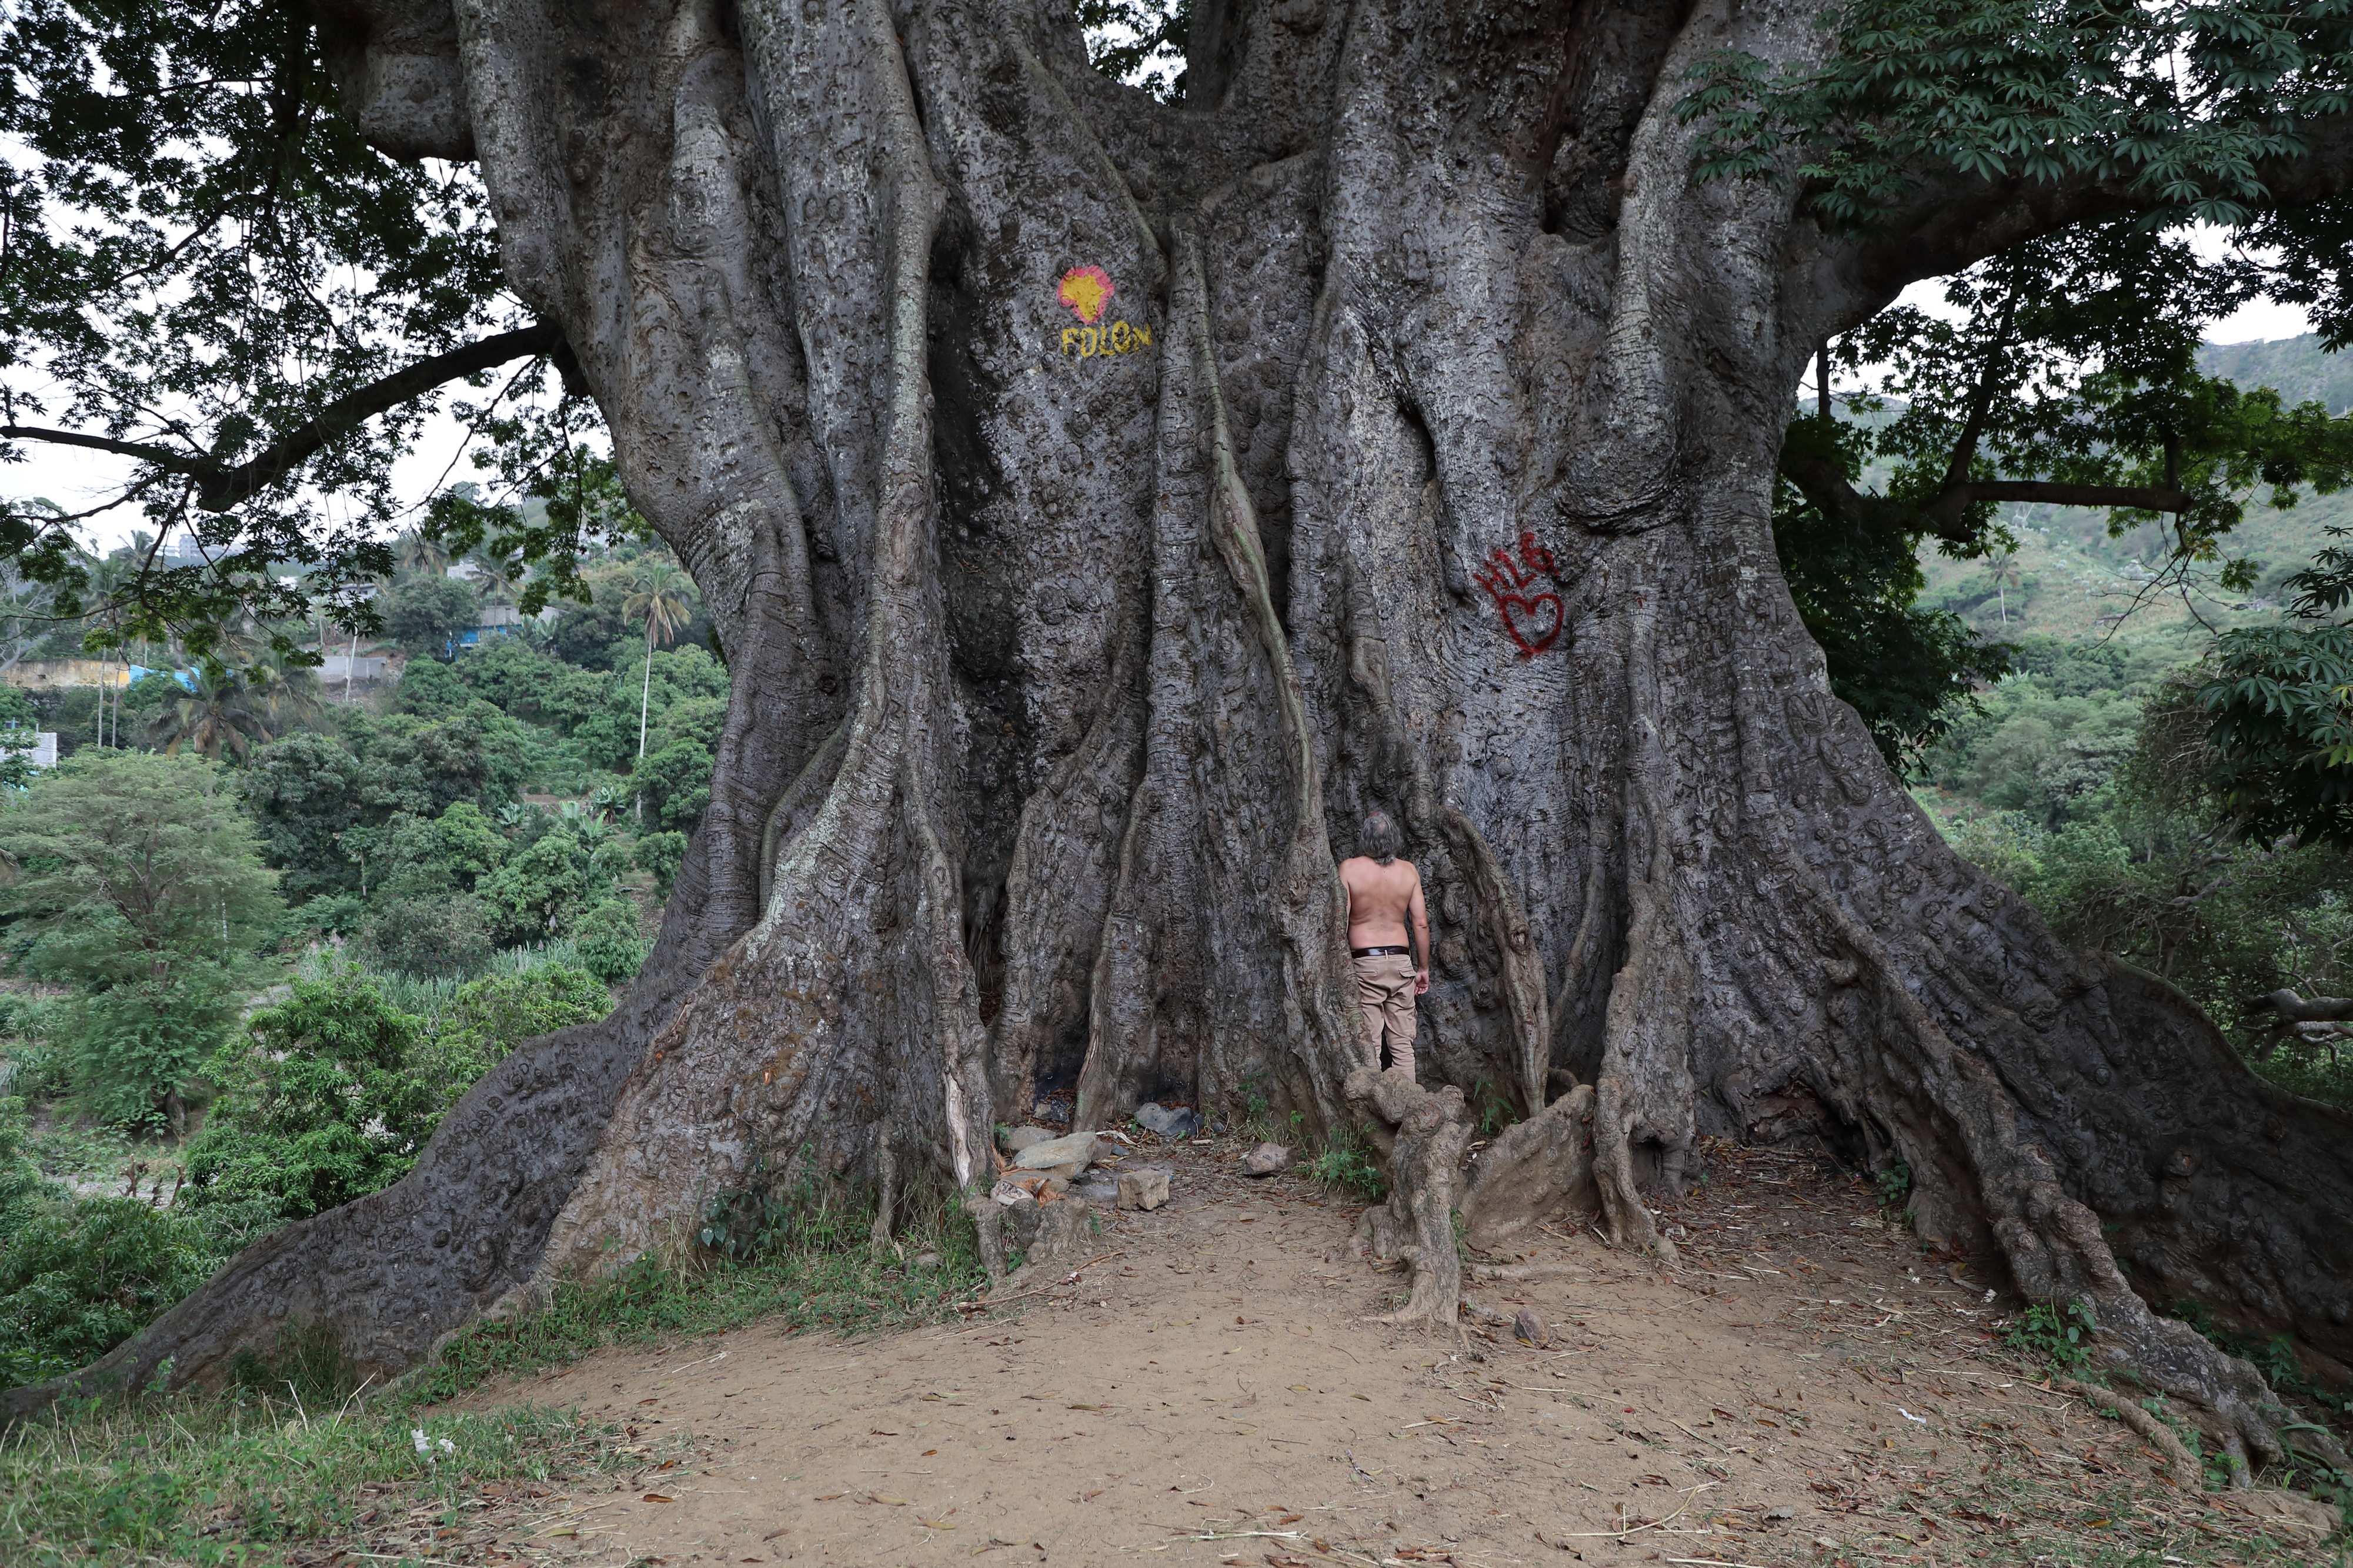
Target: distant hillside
(2295, 366)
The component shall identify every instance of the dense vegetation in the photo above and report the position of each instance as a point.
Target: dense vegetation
(2159, 772)
(259, 938)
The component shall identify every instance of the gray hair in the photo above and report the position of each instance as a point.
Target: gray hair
(1380, 839)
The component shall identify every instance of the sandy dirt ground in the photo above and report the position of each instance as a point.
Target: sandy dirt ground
(1206, 1388)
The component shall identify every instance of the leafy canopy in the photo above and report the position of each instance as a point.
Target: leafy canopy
(207, 271)
(134, 866)
(2190, 106)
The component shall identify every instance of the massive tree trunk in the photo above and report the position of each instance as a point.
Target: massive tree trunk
(1103, 502)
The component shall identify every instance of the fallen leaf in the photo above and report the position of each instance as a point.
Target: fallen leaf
(1298, 1388)
(887, 1499)
(830, 1497)
(649, 1401)
(1098, 1409)
(780, 1529)
(879, 1432)
(929, 1452)
(1365, 1397)
(935, 1524)
(656, 1497)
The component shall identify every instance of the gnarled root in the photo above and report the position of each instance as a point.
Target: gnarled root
(1534, 1170)
(2152, 1431)
(1629, 1220)
(1423, 1136)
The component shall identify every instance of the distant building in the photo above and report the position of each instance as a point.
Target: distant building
(41, 754)
(44, 674)
(496, 621)
(344, 666)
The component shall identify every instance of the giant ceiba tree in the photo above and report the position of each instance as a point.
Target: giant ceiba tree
(1103, 501)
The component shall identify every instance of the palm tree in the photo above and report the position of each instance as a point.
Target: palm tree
(412, 551)
(223, 713)
(2005, 574)
(496, 578)
(288, 693)
(106, 583)
(664, 596)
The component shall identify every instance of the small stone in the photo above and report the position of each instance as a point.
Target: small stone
(1527, 1326)
(1142, 1189)
(1097, 1186)
(1266, 1160)
(1784, 1512)
(1168, 1121)
(1066, 1157)
(1011, 1192)
(1019, 1138)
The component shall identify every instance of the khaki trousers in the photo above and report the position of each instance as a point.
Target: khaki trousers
(1385, 987)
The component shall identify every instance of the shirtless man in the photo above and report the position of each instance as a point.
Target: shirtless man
(1382, 891)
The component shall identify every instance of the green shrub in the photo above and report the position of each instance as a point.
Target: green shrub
(492, 1017)
(2057, 1333)
(22, 1186)
(133, 1050)
(79, 1281)
(661, 853)
(319, 1104)
(611, 946)
(435, 936)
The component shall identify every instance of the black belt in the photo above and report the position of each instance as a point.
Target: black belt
(1376, 952)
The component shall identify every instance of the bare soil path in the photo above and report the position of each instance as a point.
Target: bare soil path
(1807, 1387)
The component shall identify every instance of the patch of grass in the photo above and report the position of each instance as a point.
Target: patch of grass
(230, 1479)
(1346, 1168)
(818, 1274)
(2016, 1513)
(288, 1453)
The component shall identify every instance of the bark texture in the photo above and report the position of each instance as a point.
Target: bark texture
(1104, 502)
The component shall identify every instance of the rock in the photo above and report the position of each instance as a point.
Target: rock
(1098, 1185)
(1266, 1160)
(1066, 1157)
(1019, 1138)
(2289, 1511)
(1783, 1512)
(1048, 1244)
(1008, 1193)
(1527, 1326)
(1168, 1121)
(1142, 1189)
(927, 1258)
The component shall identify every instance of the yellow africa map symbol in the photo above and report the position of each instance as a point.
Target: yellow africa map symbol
(1086, 291)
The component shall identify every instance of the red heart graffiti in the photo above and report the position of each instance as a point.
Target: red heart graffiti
(1530, 645)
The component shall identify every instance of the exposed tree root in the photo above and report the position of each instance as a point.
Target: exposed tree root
(1422, 1136)
(1533, 1171)
(2156, 1434)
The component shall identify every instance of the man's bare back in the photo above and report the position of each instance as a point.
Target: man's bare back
(1380, 900)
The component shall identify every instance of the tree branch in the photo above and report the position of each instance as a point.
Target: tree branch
(1952, 223)
(220, 488)
(1825, 484)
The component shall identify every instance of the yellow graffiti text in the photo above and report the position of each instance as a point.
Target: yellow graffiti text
(1119, 338)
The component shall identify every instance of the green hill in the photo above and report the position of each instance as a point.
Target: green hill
(2074, 581)
(2295, 366)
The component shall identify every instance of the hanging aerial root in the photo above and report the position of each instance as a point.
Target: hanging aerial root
(1423, 1136)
